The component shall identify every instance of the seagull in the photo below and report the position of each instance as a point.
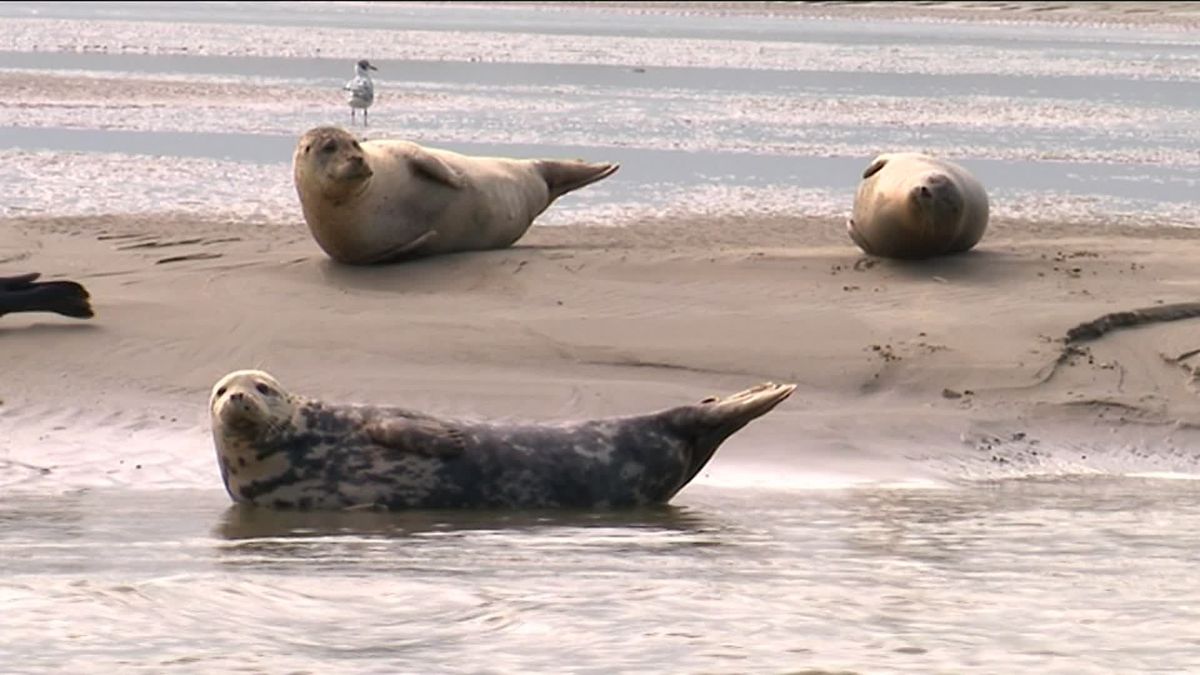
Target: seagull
(361, 89)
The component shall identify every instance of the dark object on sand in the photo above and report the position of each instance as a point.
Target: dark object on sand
(24, 294)
(1092, 330)
(1098, 328)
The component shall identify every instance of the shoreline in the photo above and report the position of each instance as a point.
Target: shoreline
(906, 370)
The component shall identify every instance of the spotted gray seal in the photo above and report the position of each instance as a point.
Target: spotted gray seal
(911, 205)
(25, 294)
(276, 449)
(386, 200)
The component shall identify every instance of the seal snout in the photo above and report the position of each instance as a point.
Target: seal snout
(360, 167)
(239, 408)
(938, 195)
(930, 187)
(353, 167)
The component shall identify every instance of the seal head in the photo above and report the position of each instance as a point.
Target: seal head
(249, 409)
(334, 160)
(250, 403)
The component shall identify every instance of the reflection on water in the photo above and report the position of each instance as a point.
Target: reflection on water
(1052, 575)
(242, 522)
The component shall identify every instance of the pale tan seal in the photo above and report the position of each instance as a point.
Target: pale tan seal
(385, 200)
(911, 205)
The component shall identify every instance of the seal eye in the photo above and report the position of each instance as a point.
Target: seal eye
(307, 148)
(263, 389)
(329, 146)
(221, 392)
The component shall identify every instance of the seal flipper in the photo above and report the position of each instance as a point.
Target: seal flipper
(18, 282)
(714, 419)
(433, 168)
(874, 167)
(417, 435)
(401, 252)
(564, 175)
(858, 238)
(22, 294)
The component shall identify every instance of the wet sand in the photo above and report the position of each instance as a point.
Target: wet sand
(945, 362)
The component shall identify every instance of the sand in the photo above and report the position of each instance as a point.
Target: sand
(906, 370)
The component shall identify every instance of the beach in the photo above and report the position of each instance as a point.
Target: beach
(914, 507)
(605, 321)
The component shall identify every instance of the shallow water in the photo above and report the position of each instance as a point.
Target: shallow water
(730, 114)
(1059, 575)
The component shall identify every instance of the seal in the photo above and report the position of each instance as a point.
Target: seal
(279, 450)
(387, 200)
(24, 293)
(913, 206)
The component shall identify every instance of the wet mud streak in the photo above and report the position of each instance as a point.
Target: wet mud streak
(1098, 328)
(190, 256)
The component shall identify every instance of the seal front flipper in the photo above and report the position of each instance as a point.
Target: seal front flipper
(403, 251)
(433, 168)
(564, 175)
(417, 435)
(875, 166)
(857, 237)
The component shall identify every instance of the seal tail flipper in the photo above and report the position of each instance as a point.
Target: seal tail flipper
(715, 419)
(565, 175)
(21, 294)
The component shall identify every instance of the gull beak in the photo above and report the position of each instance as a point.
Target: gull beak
(372, 67)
